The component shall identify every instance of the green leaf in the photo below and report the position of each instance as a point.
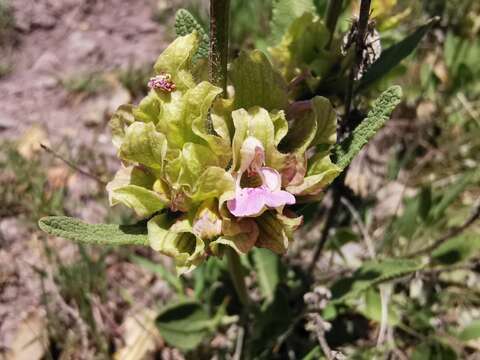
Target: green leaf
(373, 273)
(185, 23)
(94, 234)
(376, 118)
(433, 351)
(457, 249)
(284, 12)
(158, 269)
(452, 194)
(267, 265)
(471, 331)
(184, 325)
(373, 308)
(257, 83)
(392, 56)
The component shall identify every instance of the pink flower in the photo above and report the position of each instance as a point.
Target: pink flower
(252, 201)
(163, 82)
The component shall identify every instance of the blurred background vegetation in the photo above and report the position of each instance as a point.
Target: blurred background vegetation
(417, 182)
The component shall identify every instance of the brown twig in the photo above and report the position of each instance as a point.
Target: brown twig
(72, 165)
(359, 44)
(475, 215)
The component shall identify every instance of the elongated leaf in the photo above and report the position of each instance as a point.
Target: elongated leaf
(166, 275)
(392, 56)
(373, 273)
(376, 118)
(96, 234)
(457, 249)
(267, 264)
(185, 23)
(184, 325)
(452, 194)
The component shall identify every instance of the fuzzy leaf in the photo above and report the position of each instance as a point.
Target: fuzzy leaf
(185, 23)
(376, 118)
(372, 273)
(392, 56)
(257, 83)
(94, 234)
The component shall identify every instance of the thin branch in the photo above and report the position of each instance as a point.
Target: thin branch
(72, 165)
(475, 215)
(365, 235)
(332, 213)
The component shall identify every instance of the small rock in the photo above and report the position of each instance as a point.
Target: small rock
(47, 62)
(81, 45)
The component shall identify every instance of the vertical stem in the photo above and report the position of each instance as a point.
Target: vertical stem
(334, 9)
(359, 44)
(219, 32)
(238, 277)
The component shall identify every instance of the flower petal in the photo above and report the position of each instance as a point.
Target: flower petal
(248, 202)
(279, 198)
(271, 178)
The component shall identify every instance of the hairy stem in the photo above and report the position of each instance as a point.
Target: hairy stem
(219, 33)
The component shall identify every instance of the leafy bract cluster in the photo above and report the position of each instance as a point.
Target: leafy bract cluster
(210, 172)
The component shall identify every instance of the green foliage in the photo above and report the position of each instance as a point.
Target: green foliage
(392, 56)
(88, 83)
(376, 118)
(258, 83)
(267, 265)
(185, 23)
(184, 324)
(373, 273)
(434, 351)
(135, 79)
(161, 271)
(7, 22)
(285, 12)
(457, 249)
(24, 186)
(471, 331)
(94, 234)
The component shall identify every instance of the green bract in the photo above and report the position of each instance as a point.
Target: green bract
(303, 47)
